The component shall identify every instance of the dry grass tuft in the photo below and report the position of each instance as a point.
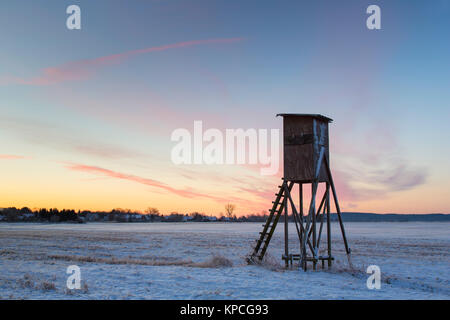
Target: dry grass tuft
(216, 261)
(68, 291)
(269, 262)
(29, 283)
(114, 260)
(26, 282)
(47, 286)
(84, 287)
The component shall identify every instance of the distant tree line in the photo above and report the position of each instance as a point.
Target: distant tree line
(151, 214)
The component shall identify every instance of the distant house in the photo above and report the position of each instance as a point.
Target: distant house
(211, 218)
(135, 217)
(125, 218)
(28, 216)
(2, 217)
(156, 218)
(91, 216)
(175, 217)
(187, 218)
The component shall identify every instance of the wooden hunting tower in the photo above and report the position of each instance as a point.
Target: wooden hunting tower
(306, 161)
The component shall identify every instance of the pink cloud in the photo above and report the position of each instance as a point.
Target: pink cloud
(145, 181)
(83, 69)
(11, 157)
(266, 194)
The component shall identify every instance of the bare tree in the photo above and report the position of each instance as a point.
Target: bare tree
(229, 209)
(151, 210)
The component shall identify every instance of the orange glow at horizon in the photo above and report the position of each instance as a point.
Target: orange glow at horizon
(61, 188)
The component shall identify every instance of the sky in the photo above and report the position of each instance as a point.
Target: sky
(86, 116)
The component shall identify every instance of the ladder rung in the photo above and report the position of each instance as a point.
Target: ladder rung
(269, 226)
(325, 258)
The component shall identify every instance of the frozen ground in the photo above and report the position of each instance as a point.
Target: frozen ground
(175, 261)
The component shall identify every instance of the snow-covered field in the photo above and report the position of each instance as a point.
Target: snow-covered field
(176, 261)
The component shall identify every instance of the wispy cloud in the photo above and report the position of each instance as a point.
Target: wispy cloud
(365, 183)
(65, 139)
(400, 177)
(83, 69)
(145, 181)
(264, 193)
(11, 157)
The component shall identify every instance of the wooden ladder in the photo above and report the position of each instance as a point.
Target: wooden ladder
(269, 227)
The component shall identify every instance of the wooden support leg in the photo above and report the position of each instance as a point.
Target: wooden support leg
(321, 215)
(310, 223)
(312, 204)
(300, 186)
(338, 210)
(302, 248)
(300, 209)
(314, 240)
(297, 217)
(322, 205)
(328, 226)
(286, 236)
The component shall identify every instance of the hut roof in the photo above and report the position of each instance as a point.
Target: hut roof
(311, 115)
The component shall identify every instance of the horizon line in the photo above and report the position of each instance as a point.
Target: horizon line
(202, 213)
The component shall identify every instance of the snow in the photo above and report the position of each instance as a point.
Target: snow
(174, 261)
